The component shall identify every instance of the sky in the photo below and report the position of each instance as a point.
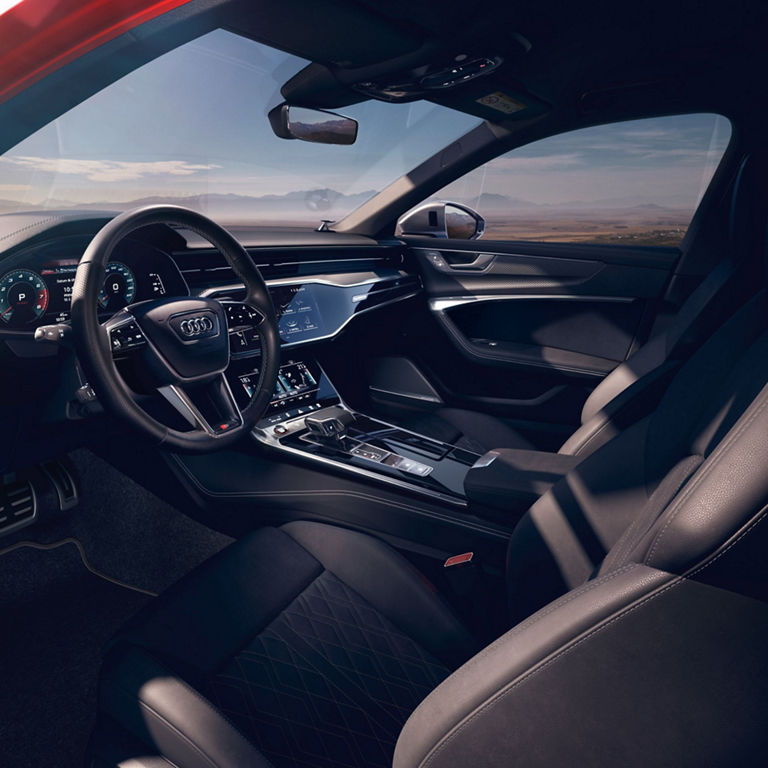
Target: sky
(193, 122)
(665, 161)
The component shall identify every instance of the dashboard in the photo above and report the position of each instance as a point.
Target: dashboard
(36, 289)
(319, 283)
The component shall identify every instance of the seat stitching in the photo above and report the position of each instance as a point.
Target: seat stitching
(499, 695)
(207, 702)
(409, 569)
(144, 705)
(540, 615)
(624, 545)
(720, 453)
(753, 523)
(591, 436)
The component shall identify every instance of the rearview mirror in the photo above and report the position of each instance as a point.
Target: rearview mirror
(317, 125)
(442, 219)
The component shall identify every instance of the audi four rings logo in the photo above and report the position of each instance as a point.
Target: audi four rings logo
(196, 326)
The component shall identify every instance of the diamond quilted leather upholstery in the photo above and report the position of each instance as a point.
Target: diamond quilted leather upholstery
(330, 682)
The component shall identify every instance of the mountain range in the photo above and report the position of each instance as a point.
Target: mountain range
(313, 205)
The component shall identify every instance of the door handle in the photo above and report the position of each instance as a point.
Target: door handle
(482, 261)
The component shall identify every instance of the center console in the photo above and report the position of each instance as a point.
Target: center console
(307, 418)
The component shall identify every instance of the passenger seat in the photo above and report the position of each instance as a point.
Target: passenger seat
(634, 386)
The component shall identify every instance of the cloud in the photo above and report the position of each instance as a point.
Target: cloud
(650, 133)
(109, 170)
(542, 163)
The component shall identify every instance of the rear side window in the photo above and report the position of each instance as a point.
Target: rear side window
(631, 183)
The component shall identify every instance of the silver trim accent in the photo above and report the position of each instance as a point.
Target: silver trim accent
(486, 460)
(267, 437)
(448, 302)
(211, 293)
(195, 326)
(406, 395)
(11, 527)
(378, 477)
(183, 404)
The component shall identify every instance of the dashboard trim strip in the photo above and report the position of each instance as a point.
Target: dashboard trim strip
(211, 293)
(449, 302)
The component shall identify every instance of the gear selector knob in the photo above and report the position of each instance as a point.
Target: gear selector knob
(330, 423)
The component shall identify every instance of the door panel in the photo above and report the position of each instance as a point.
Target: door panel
(526, 330)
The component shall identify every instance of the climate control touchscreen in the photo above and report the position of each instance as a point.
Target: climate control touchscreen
(301, 387)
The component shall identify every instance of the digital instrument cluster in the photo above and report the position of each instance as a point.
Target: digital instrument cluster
(40, 290)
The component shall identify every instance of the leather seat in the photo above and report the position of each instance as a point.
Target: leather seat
(311, 644)
(638, 586)
(633, 387)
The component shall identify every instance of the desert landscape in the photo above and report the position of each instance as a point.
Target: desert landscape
(639, 226)
(602, 222)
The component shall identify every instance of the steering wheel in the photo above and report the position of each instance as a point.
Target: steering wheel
(180, 346)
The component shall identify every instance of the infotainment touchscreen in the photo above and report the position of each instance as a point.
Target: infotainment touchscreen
(297, 311)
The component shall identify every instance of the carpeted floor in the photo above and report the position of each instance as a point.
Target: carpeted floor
(127, 532)
(57, 614)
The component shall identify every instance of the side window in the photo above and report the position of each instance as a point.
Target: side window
(631, 183)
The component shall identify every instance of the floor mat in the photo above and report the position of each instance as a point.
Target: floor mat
(57, 616)
(127, 532)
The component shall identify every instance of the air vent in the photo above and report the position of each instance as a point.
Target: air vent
(17, 505)
(204, 269)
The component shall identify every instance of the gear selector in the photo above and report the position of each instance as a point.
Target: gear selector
(331, 423)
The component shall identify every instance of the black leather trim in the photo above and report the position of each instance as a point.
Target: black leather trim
(162, 710)
(675, 677)
(516, 655)
(220, 606)
(390, 584)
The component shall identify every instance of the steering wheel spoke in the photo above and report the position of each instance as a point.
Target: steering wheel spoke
(210, 408)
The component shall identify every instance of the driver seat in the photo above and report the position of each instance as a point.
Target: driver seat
(311, 645)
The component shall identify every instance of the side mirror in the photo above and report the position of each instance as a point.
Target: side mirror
(446, 220)
(289, 122)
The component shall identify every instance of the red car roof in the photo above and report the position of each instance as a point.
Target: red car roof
(38, 37)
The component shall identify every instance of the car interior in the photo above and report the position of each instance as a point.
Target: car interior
(383, 384)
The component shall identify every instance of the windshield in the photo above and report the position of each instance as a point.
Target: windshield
(191, 128)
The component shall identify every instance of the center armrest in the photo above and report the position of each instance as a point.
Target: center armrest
(511, 480)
